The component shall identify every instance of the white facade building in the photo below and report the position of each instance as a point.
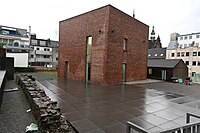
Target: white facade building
(187, 48)
(43, 52)
(16, 43)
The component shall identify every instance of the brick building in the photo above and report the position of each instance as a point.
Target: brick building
(103, 46)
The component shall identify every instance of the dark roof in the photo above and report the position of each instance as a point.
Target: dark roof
(172, 45)
(12, 31)
(190, 34)
(163, 63)
(161, 53)
(54, 44)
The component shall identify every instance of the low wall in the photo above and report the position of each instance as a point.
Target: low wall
(2, 85)
(45, 69)
(7, 63)
(46, 111)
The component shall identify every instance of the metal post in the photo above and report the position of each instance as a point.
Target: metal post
(128, 128)
(187, 118)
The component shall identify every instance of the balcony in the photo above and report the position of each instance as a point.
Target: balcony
(40, 52)
(43, 60)
(25, 47)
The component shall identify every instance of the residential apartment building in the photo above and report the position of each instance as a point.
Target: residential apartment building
(16, 43)
(103, 46)
(43, 52)
(187, 48)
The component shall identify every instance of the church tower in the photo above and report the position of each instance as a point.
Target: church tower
(153, 37)
(158, 43)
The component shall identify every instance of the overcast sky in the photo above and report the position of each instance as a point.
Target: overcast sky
(168, 16)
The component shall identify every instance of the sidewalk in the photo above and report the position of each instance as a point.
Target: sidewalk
(13, 115)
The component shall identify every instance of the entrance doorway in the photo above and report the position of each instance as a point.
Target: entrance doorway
(123, 72)
(163, 74)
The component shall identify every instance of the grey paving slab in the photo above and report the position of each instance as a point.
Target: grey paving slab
(92, 107)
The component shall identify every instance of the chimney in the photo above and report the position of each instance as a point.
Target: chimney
(133, 13)
(29, 30)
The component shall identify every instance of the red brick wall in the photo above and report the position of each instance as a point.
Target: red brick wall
(72, 44)
(108, 27)
(180, 70)
(123, 26)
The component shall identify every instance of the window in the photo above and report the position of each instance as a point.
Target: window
(181, 45)
(178, 54)
(150, 71)
(181, 38)
(194, 53)
(197, 44)
(185, 45)
(187, 53)
(193, 73)
(172, 54)
(31, 47)
(46, 56)
(149, 55)
(198, 53)
(22, 46)
(37, 48)
(56, 58)
(185, 37)
(155, 54)
(187, 62)
(33, 42)
(16, 44)
(48, 49)
(197, 36)
(45, 49)
(88, 57)
(194, 63)
(125, 44)
(5, 32)
(161, 54)
(5, 41)
(198, 63)
(42, 43)
(190, 37)
(182, 54)
(10, 42)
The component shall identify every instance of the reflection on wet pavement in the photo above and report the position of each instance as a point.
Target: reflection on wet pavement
(96, 108)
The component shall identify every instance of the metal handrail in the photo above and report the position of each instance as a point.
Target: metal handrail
(188, 115)
(187, 128)
(135, 127)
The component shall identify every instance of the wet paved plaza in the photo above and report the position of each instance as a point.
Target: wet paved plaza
(94, 108)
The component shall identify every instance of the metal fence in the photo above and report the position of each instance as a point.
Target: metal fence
(187, 128)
